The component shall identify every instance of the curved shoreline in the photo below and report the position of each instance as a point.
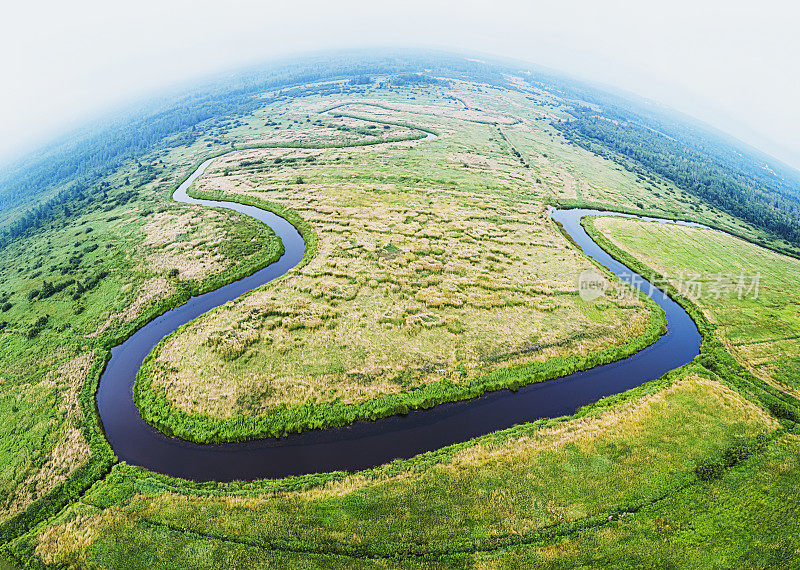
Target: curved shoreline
(363, 444)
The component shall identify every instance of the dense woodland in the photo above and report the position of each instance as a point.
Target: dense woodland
(709, 168)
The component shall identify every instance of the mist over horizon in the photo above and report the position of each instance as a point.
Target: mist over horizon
(724, 64)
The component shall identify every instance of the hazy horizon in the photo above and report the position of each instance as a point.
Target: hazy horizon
(723, 63)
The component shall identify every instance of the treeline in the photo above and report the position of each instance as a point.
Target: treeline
(71, 168)
(324, 89)
(416, 79)
(88, 156)
(726, 174)
(710, 168)
(71, 201)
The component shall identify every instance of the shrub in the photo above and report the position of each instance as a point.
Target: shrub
(782, 410)
(737, 453)
(37, 326)
(709, 469)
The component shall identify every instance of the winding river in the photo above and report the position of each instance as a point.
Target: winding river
(365, 444)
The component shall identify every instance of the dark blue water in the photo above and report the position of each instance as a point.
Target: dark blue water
(364, 444)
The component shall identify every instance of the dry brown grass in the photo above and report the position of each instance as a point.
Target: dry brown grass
(69, 454)
(69, 378)
(179, 238)
(585, 432)
(65, 543)
(165, 245)
(410, 285)
(151, 290)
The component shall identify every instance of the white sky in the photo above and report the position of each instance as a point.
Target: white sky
(734, 64)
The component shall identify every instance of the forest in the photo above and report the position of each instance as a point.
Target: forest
(709, 167)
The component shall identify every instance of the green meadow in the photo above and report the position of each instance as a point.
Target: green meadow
(432, 273)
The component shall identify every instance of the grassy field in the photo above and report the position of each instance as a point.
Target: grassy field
(94, 273)
(534, 483)
(73, 290)
(432, 267)
(431, 257)
(648, 478)
(425, 274)
(750, 293)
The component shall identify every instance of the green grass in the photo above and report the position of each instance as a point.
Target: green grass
(760, 327)
(658, 503)
(524, 496)
(527, 484)
(100, 264)
(747, 519)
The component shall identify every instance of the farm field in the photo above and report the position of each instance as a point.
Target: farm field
(750, 293)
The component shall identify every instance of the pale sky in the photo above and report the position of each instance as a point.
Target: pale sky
(731, 63)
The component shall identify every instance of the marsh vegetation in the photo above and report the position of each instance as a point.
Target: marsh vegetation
(412, 291)
(431, 270)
